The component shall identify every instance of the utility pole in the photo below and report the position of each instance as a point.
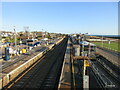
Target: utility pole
(15, 39)
(35, 34)
(102, 40)
(42, 33)
(33, 37)
(27, 35)
(45, 34)
(26, 31)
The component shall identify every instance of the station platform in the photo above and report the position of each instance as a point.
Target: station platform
(65, 78)
(13, 68)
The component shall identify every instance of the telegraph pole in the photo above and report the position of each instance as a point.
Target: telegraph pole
(27, 31)
(15, 39)
(27, 35)
(102, 40)
(45, 34)
(42, 33)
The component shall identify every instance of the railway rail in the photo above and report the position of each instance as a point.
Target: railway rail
(27, 56)
(104, 75)
(108, 65)
(45, 72)
(111, 69)
(110, 51)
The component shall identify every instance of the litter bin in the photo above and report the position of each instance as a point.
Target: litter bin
(7, 55)
(23, 51)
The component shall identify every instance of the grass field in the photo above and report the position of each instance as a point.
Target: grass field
(113, 45)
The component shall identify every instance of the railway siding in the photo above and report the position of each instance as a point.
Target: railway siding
(111, 57)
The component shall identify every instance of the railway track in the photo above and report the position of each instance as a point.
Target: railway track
(103, 76)
(27, 56)
(110, 51)
(45, 74)
(111, 67)
(93, 81)
(112, 70)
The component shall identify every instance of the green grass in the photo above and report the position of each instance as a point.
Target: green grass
(113, 45)
(8, 39)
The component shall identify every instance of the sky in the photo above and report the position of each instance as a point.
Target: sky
(61, 17)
